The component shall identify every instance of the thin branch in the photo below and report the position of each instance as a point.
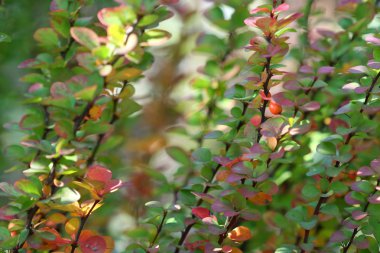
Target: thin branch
(83, 221)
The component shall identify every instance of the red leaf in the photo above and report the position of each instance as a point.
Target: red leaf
(94, 244)
(99, 173)
(200, 212)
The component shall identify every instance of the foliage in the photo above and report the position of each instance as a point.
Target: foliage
(274, 148)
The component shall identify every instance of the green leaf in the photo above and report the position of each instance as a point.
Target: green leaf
(310, 191)
(179, 155)
(309, 224)
(102, 53)
(16, 152)
(148, 20)
(4, 234)
(85, 36)
(66, 195)
(47, 38)
(376, 54)
(128, 107)
(202, 155)
(61, 25)
(339, 187)
(297, 214)
(31, 186)
(122, 16)
(215, 15)
(87, 94)
(326, 148)
(154, 37)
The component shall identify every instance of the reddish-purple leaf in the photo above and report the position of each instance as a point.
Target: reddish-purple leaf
(29, 63)
(375, 165)
(306, 69)
(232, 178)
(361, 90)
(277, 155)
(35, 87)
(365, 171)
(344, 109)
(251, 215)
(374, 64)
(326, 33)
(59, 89)
(282, 100)
(326, 70)
(338, 236)
(350, 224)
(350, 86)
(373, 40)
(311, 106)
(359, 215)
(361, 244)
(374, 199)
(358, 70)
(350, 200)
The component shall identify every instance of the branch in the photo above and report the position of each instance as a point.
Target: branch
(83, 221)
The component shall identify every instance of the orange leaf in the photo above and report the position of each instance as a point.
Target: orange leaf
(96, 112)
(240, 234)
(261, 198)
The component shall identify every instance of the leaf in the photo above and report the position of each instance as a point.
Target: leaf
(240, 234)
(72, 225)
(200, 212)
(31, 186)
(202, 155)
(326, 148)
(310, 191)
(358, 70)
(125, 74)
(179, 155)
(154, 37)
(85, 36)
(121, 16)
(99, 173)
(261, 198)
(87, 94)
(93, 244)
(47, 38)
(147, 20)
(66, 195)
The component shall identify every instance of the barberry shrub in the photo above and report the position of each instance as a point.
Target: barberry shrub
(271, 147)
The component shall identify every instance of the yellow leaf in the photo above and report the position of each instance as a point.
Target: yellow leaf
(123, 75)
(72, 226)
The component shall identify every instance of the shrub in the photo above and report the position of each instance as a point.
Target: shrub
(277, 147)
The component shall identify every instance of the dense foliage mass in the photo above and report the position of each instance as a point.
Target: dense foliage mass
(271, 147)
